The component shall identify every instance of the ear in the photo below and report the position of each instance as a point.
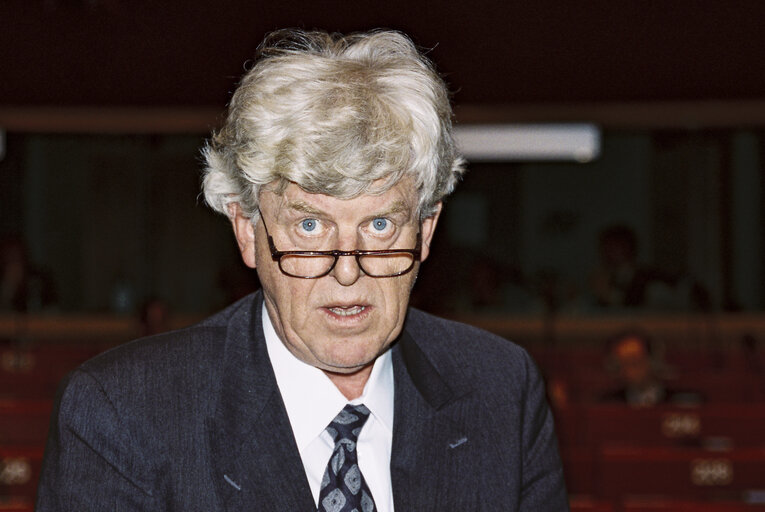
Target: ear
(427, 230)
(244, 231)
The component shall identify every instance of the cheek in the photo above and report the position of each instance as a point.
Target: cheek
(291, 299)
(278, 288)
(397, 295)
(290, 295)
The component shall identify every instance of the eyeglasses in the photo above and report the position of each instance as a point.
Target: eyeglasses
(316, 264)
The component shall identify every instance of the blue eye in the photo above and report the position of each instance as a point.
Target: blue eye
(380, 224)
(309, 224)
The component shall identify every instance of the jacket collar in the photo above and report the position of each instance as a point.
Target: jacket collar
(431, 428)
(250, 434)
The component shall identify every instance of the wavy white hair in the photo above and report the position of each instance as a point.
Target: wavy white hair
(336, 115)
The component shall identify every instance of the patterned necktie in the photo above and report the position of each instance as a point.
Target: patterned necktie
(343, 488)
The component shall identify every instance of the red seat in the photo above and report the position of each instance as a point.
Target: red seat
(579, 469)
(588, 504)
(19, 472)
(559, 360)
(36, 373)
(722, 386)
(735, 424)
(568, 421)
(685, 473)
(24, 422)
(16, 505)
(685, 359)
(654, 505)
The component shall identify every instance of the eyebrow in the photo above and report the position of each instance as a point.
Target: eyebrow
(397, 206)
(302, 206)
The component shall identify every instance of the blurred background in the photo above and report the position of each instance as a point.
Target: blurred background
(625, 253)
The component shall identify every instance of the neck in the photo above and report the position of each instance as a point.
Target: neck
(351, 385)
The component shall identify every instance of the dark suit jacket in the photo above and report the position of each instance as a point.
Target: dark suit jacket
(193, 420)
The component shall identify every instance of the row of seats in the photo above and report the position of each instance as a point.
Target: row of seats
(19, 473)
(13, 504)
(695, 445)
(571, 358)
(682, 435)
(24, 422)
(587, 374)
(709, 452)
(685, 472)
(720, 387)
(661, 505)
(29, 377)
(35, 372)
(614, 471)
(714, 426)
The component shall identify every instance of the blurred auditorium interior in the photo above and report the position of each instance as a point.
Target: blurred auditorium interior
(651, 228)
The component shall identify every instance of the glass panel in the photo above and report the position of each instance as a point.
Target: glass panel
(306, 266)
(386, 265)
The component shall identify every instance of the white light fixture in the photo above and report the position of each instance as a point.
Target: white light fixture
(528, 142)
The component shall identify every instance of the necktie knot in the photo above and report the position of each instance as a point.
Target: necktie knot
(348, 423)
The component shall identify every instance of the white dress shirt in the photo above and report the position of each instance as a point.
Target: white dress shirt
(313, 401)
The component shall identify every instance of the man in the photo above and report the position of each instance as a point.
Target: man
(322, 390)
(630, 355)
(640, 384)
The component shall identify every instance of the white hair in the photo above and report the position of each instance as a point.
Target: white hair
(336, 115)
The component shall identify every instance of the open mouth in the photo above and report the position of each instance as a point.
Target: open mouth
(347, 311)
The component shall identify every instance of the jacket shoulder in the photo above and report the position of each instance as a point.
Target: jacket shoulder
(440, 334)
(476, 357)
(184, 362)
(198, 342)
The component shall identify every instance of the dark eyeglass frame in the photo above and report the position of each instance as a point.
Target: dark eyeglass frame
(277, 256)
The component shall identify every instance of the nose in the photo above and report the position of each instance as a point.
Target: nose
(347, 271)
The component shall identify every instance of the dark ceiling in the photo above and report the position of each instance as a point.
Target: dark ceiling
(125, 52)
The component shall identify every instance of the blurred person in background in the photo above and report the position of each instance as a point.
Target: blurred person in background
(621, 281)
(632, 359)
(154, 316)
(24, 288)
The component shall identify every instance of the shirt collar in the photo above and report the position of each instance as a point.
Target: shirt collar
(312, 400)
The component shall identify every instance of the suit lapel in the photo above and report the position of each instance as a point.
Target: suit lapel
(255, 461)
(431, 435)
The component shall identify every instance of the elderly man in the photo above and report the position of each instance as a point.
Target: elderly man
(324, 390)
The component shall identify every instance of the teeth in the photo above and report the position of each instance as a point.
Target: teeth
(355, 310)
